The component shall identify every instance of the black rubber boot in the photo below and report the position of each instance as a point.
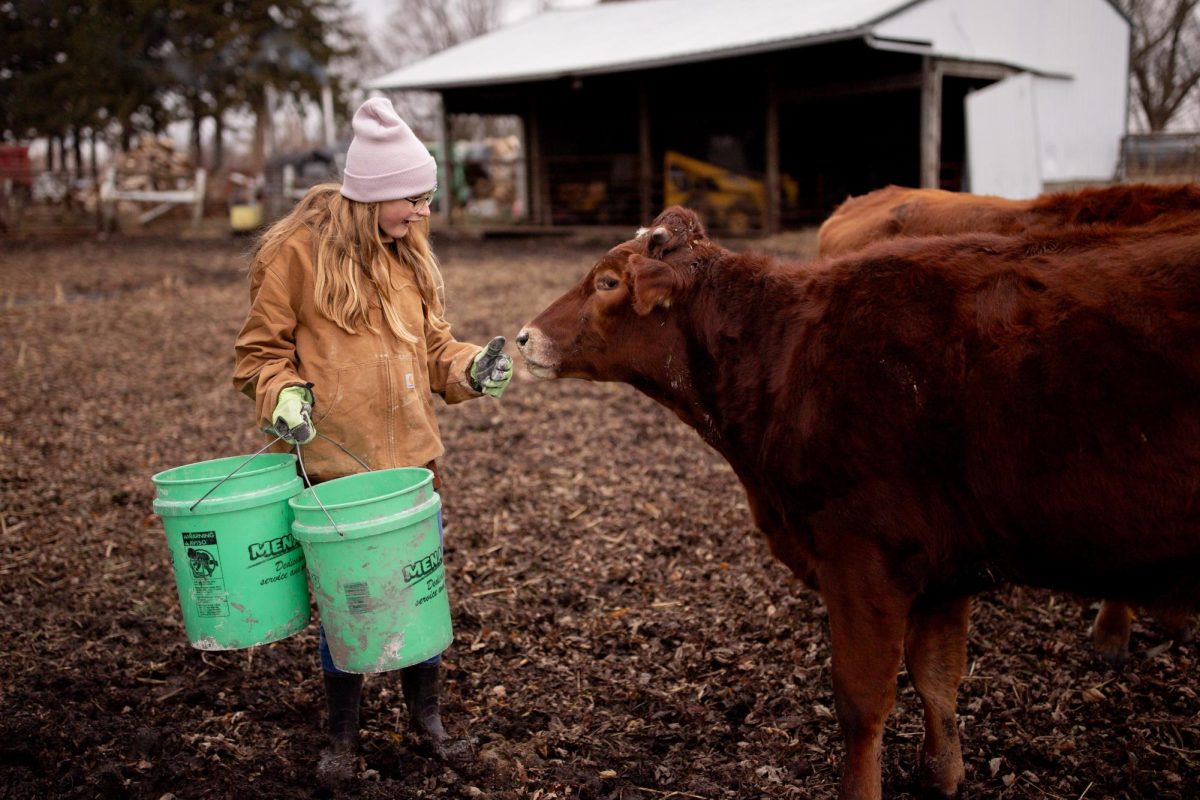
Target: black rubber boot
(342, 696)
(338, 764)
(421, 695)
(423, 698)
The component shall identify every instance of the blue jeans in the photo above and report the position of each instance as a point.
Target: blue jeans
(327, 659)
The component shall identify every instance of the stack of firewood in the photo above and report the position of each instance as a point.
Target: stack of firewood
(154, 163)
(504, 168)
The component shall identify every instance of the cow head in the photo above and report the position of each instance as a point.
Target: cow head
(621, 322)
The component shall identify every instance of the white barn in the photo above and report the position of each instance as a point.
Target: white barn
(816, 98)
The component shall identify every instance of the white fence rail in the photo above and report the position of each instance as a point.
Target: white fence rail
(164, 200)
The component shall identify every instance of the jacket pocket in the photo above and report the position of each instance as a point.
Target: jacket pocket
(358, 396)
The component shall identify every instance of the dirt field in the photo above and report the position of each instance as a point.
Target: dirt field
(621, 631)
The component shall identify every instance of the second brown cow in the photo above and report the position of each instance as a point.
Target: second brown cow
(896, 211)
(917, 424)
(899, 211)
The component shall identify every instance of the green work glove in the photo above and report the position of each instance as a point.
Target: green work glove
(491, 370)
(293, 415)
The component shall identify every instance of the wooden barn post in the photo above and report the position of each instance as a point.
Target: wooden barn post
(645, 158)
(535, 166)
(447, 192)
(771, 224)
(931, 122)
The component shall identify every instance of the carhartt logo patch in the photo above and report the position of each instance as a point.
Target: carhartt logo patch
(409, 382)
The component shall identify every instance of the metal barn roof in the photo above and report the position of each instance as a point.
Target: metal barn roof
(1077, 50)
(614, 37)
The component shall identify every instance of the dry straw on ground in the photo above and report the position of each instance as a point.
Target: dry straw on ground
(621, 631)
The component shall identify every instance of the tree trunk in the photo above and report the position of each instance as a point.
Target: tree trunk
(258, 152)
(196, 150)
(76, 154)
(218, 142)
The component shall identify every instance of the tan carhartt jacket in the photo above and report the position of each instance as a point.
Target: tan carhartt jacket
(372, 391)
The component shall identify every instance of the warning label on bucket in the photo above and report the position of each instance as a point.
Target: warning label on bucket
(208, 583)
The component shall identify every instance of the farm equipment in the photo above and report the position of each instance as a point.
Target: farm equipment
(245, 204)
(724, 199)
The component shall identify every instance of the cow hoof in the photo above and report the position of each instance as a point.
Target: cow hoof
(931, 789)
(1115, 660)
(943, 784)
(1113, 651)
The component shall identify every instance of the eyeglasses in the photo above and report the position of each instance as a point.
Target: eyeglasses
(421, 200)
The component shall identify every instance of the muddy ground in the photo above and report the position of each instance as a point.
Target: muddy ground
(621, 631)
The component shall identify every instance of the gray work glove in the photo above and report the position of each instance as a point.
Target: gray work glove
(491, 370)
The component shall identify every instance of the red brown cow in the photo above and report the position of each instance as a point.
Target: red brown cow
(918, 423)
(897, 211)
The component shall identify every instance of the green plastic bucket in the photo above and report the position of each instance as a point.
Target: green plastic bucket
(239, 571)
(377, 575)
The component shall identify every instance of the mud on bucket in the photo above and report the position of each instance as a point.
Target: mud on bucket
(239, 572)
(376, 569)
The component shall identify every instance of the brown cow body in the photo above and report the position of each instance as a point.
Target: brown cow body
(897, 211)
(919, 423)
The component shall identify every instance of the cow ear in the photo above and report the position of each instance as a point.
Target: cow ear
(674, 228)
(652, 284)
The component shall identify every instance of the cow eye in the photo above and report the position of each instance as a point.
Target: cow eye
(606, 283)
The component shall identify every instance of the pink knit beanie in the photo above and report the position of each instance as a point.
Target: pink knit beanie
(386, 161)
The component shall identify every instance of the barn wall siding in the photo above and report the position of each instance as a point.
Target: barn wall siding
(1080, 47)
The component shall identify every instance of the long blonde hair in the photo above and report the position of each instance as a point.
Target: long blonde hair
(348, 250)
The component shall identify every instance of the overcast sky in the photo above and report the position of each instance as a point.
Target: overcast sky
(376, 11)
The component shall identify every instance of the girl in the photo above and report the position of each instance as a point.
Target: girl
(346, 334)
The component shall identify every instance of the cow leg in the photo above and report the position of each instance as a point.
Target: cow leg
(1177, 623)
(935, 651)
(1110, 631)
(867, 628)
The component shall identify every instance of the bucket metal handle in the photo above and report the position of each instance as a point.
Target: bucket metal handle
(339, 446)
(304, 472)
(279, 434)
(311, 488)
(238, 468)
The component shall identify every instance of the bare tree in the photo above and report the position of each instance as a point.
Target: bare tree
(1164, 65)
(419, 28)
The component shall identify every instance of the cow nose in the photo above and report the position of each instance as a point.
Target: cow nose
(522, 338)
